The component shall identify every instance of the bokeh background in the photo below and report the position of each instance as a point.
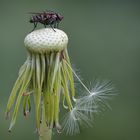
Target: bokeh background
(104, 41)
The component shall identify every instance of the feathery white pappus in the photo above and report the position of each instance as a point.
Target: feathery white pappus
(82, 114)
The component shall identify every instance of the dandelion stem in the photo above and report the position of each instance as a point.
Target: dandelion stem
(45, 132)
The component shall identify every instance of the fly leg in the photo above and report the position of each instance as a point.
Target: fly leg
(35, 25)
(57, 25)
(52, 27)
(45, 25)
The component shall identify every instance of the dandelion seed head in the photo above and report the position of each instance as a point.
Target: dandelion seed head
(47, 73)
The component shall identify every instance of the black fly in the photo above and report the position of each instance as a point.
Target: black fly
(46, 18)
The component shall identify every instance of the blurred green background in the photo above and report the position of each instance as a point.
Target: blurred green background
(104, 41)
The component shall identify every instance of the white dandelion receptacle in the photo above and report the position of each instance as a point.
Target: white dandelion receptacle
(45, 40)
(47, 75)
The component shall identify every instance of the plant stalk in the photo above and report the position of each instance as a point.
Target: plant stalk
(45, 132)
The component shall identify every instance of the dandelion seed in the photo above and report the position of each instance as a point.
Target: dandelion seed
(101, 92)
(78, 117)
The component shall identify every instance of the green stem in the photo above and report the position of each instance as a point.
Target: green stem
(45, 132)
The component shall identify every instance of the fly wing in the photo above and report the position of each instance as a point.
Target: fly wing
(35, 13)
(49, 11)
(43, 12)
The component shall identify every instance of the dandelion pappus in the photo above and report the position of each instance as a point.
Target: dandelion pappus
(46, 18)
